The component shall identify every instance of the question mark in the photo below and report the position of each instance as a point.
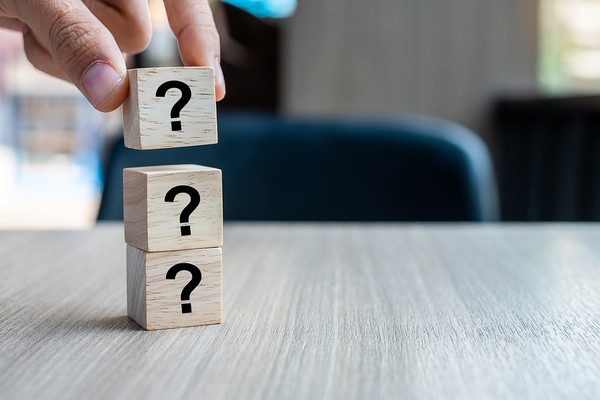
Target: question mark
(186, 95)
(184, 218)
(189, 288)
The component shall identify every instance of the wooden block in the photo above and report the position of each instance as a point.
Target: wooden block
(159, 200)
(170, 107)
(174, 289)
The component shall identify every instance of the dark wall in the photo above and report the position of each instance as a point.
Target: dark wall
(548, 158)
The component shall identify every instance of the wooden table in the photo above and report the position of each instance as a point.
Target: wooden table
(315, 312)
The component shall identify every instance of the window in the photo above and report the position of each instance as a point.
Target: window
(570, 46)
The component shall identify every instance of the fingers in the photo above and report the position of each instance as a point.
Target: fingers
(80, 44)
(10, 23)
(128, 21)
(194, 26)
(39, 57)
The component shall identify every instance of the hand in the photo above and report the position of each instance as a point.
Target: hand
(83, 41)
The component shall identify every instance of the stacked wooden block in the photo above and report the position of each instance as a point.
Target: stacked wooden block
(173, 214)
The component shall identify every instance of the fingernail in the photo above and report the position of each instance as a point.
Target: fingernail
(99, 80)
(219, 78)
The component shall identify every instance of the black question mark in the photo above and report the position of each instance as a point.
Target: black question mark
(186, 95)
(189, 288)
(184, 218)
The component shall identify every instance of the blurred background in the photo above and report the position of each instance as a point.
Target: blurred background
(523, 75)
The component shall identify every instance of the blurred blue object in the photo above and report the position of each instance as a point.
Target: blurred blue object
(266, 8)
(332, 170)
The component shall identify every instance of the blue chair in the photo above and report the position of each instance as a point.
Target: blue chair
(279, 169)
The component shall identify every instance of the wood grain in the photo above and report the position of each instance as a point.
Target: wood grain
(147, 119)
(154, 224)
(154, 301)
(315, 311)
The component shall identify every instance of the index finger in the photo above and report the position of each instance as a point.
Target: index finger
(11, 23)
(193, 24)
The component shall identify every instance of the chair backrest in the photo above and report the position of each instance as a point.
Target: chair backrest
(332, 170)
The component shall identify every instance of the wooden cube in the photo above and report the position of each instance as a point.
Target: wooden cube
(173, 207)
(170, 107)
(174, 289)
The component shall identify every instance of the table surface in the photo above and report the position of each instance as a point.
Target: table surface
(314, 311)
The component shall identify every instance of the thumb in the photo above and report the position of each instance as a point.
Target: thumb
(81, 45)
